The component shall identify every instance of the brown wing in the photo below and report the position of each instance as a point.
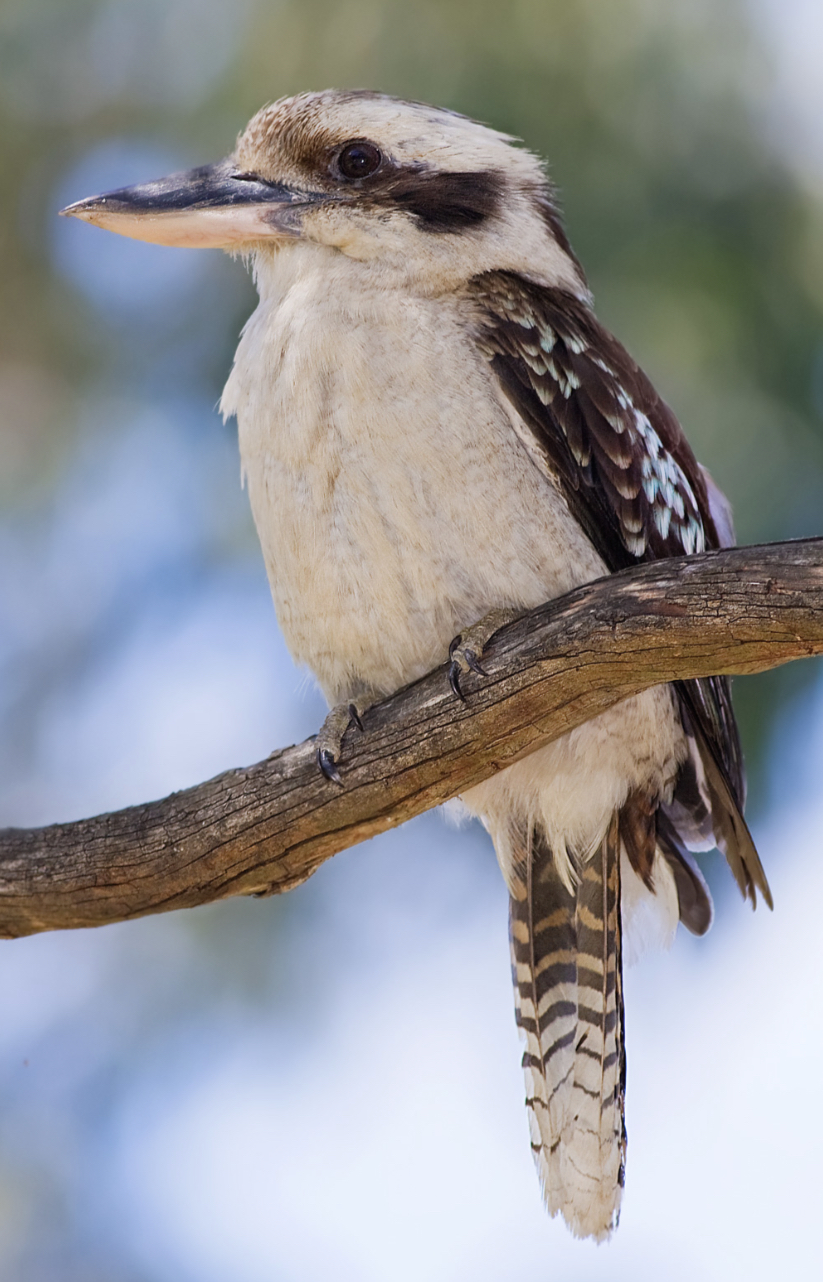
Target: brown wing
(632, 481)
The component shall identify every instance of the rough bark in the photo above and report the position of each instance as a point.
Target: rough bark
(266, 828)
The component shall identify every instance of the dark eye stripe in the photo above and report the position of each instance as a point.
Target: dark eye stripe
(439, 202)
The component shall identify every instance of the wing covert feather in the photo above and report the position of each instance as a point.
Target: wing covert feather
(630, 478)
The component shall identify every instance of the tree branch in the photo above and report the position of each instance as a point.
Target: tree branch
(265, 829)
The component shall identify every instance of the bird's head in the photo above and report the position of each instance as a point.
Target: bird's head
(404, 188)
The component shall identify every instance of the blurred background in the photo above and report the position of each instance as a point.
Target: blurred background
(328, 1085)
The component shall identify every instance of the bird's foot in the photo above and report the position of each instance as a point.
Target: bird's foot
(329, 740)
(466, 650)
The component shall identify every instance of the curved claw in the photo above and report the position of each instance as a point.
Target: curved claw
(328, 765)
(469, 646)
(454, 681)
(465, 659)
(472, 660)
(355, 716)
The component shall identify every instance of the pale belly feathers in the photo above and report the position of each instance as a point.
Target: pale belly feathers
(395, 506)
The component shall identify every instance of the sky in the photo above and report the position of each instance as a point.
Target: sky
(381, 1133)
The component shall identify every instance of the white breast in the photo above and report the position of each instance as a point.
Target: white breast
(393, 501)
(396, 505)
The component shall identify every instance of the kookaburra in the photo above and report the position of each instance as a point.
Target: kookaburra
(436, 430)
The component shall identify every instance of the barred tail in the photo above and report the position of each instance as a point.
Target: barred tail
(569, 1004)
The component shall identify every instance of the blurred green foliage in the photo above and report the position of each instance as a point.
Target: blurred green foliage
(704, 251)
(702, 246)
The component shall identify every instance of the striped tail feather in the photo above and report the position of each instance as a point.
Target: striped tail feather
(567, 974)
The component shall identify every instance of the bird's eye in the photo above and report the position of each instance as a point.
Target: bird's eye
(359, 160)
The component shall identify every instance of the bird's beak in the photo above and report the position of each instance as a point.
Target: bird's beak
(213, 207)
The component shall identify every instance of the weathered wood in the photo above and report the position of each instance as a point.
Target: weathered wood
(265, 829)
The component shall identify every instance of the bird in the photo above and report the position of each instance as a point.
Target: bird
(437, 433)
